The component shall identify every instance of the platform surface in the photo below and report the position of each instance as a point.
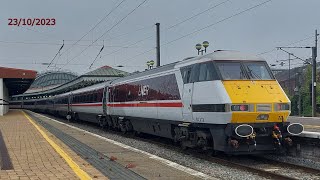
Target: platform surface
(311, 125)
(33, 156)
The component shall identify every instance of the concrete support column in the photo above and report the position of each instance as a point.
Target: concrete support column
(4, 98)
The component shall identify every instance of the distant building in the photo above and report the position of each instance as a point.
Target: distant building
(290, 85)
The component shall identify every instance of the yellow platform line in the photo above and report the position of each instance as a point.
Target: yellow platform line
(74, 166)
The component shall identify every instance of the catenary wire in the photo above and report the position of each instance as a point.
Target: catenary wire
(269, 51)
(201, 29)
(107, 31)
(105, 17)
(202, 12)
(210, 25)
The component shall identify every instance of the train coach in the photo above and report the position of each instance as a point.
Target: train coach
(223, 101)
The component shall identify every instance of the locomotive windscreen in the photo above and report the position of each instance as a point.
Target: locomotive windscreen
(244, 70)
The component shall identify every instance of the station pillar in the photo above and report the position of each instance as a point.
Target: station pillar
(4, 98)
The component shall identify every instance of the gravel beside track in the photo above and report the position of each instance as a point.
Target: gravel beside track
(273, 165)
(206, 166)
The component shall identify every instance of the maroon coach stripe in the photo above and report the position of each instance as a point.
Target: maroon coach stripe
(174, 104)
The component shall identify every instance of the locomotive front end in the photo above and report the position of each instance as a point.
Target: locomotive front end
(260, 108)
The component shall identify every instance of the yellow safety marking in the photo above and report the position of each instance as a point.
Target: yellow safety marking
(312, 126)
(256, 92)
(75, 167)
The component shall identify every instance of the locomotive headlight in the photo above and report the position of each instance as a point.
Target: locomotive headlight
(240, 107)
(282, 107)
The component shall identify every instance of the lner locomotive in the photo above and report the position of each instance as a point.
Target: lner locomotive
(223, 101)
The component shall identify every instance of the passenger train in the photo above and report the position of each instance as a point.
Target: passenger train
(223, 101)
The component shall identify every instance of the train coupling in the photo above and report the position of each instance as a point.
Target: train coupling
(251, 140)
(276, 135)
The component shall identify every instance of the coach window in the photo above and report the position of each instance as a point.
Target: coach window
(90, 96)
(95, 95)
(87, 98)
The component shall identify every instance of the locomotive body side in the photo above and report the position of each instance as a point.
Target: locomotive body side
(195, 103)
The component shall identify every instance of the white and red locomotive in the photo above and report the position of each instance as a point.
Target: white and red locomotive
(223, 101)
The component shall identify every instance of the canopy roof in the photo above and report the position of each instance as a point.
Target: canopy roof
(17, 80)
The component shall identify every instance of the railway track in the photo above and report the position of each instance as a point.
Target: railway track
(270, 169)
(259, 165)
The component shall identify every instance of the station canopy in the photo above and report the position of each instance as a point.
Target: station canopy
(102, 74)
(17, 80)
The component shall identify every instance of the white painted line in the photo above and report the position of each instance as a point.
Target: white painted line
(298, 117)
(160, 159)
(310, 134)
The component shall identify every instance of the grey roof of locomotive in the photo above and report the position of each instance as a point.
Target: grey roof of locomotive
(216, 55)
(145, 73)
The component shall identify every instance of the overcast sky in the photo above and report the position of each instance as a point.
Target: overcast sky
(130, 42)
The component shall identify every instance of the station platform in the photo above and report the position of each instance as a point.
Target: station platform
(33, 146)
(311, 125)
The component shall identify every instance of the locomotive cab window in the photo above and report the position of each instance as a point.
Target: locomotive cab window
(186, 74)
(207, 72)
(246, 70)
(258, 70)
(231, 70)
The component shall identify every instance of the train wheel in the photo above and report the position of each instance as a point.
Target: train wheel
(183, 145)
(136, 133)
(75, 117)
(69, 118)
(102, 122)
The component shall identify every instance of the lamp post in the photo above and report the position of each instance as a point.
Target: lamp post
(205, 44)
(150, 64)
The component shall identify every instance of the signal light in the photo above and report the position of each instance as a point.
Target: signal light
(241, 107)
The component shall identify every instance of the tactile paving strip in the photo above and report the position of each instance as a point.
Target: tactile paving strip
(110, 169)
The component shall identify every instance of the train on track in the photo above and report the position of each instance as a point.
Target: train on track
(223, 101)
